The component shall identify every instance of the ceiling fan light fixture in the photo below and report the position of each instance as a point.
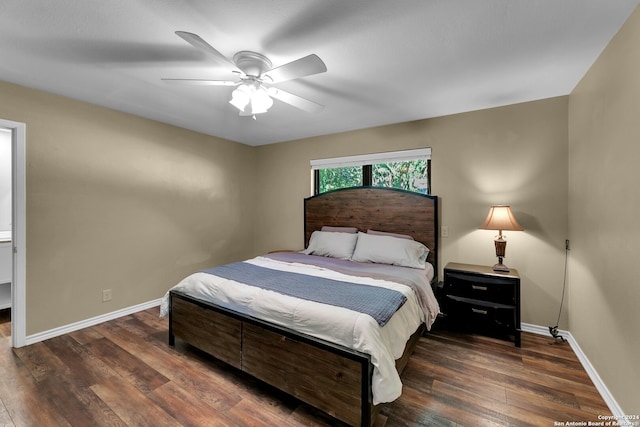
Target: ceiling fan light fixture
(251, 94)
(241, 97)
(260, 101)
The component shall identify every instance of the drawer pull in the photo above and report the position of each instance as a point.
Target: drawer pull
(478, 288)
(291, 340)
(478, 311)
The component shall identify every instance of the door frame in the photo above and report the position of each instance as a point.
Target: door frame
(19, 230)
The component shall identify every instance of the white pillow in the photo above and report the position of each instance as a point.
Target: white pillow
(385, 233)
(390, 250)
(331, 244)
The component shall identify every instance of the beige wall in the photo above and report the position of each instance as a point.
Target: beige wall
(515, 155)
(123, 203)
(604, 150)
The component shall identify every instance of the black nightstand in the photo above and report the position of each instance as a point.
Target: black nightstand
(476, 298)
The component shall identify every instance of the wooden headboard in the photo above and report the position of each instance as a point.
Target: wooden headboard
(383, 209)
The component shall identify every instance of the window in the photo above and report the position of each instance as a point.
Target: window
(408, 170)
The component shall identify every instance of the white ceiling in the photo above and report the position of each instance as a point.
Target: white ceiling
(388, 61)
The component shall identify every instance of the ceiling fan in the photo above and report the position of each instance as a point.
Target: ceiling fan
(254, 76)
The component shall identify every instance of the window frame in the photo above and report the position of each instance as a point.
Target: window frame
(367, 161)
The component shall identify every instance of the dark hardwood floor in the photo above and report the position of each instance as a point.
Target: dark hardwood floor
(123, 373)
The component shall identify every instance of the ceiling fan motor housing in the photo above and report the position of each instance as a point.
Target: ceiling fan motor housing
(252, 63)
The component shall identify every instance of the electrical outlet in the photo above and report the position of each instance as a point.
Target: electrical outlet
(106, 295)
(444, 231)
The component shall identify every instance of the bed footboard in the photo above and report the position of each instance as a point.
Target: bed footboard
(329, 377)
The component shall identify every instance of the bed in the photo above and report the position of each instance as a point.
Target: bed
(342, 360)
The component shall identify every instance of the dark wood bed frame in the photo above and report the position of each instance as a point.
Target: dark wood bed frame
(329, 377)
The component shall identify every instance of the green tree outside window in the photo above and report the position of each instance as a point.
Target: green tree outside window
(411, 175)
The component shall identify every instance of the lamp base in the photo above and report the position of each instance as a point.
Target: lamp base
(501, 267)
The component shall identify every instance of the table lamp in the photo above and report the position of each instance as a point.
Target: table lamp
(500, 218)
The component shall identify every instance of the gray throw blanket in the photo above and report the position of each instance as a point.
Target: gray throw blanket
(379, 303)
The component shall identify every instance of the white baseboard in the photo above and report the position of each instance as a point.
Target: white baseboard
(588, 367)
(56, 332)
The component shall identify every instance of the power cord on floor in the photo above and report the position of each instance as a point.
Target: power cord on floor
(553, 330)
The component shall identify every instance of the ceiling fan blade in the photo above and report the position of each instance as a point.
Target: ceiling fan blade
(307, 66)
(197, 42)
(295, 100)
(201, 82)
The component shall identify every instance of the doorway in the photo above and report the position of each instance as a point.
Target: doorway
(14, 135)
(6, 248)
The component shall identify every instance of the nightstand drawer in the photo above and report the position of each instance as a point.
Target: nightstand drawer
(483, 315)
(480, 287)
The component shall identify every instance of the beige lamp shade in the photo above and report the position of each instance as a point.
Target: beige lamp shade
(501, 218)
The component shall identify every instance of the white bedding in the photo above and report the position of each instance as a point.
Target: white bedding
(339, 325)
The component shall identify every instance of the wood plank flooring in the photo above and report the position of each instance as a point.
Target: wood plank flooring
(123, 373)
